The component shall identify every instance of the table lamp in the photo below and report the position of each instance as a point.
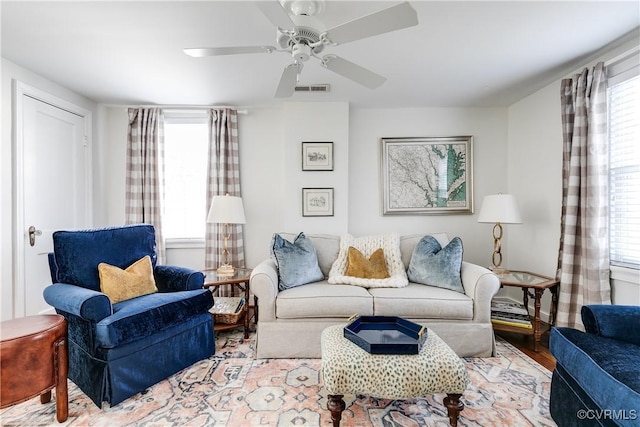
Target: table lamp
(226, 210)
(499, 209)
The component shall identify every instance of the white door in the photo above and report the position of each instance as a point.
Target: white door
(53, 191)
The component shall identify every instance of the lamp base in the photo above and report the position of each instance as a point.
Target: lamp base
(226, 270)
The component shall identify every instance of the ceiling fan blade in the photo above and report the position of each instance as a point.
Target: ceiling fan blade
(275, 13)
(353, 71)
(387, 20)
(215, 51)
(288, 80)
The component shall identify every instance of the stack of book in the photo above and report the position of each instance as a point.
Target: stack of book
(227, 310)
(506, 312)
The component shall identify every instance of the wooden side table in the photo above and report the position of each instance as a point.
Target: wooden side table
(239, 279)
(532, 285)
(33, 360)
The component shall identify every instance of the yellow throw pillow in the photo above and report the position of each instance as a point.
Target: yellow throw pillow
(120, 285)
(359, 266)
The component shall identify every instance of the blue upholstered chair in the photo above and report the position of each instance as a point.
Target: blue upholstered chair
(596, 381)
(118, 350)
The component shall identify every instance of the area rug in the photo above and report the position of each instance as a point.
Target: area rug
(233, 389)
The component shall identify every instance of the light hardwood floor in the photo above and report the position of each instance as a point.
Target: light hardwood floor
(525, 345)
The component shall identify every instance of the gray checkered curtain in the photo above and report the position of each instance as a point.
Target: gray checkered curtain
(223, 177)
(145, 166)
(583, 260)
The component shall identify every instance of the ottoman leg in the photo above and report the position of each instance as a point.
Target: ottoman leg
(336, 405)
(454, 406)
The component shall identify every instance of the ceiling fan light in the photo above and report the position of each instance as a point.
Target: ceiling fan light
(305, 7)
(301, 52)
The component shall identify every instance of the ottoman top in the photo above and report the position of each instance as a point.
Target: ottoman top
(348, 369)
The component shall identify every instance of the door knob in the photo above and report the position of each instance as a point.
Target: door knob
(32, 235)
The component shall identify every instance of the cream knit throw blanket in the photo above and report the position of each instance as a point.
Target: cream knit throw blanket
(390, 244)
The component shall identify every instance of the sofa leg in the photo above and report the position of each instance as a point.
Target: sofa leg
(336, 405)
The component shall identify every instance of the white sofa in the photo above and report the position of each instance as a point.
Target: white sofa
(290, 321)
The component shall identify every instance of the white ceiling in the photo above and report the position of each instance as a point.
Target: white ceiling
(473, 53)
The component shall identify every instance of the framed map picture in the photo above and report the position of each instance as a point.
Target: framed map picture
(317, 156)
(427, 176)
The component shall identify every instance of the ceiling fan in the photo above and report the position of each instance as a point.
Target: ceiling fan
(303, 42)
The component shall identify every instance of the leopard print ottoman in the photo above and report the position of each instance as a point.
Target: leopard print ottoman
(348, 369)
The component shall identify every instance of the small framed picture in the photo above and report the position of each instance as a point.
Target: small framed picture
(317, 202)
(317, 156)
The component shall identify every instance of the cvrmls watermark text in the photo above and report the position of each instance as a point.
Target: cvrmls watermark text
(607, 414)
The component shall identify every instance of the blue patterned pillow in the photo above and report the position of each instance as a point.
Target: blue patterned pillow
(433, 265)
(297, 262)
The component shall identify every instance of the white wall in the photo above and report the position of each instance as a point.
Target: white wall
(488, 126)
(271, 176)
(114, 158)
(272, 180)
(10, 73)
(535, 178)
(315, 122)
(261, 134)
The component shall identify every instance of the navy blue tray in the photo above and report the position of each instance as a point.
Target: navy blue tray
(386, 334)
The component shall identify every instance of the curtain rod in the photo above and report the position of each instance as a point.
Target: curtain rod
(624, 55)
(240, 110)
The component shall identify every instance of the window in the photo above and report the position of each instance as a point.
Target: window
(624, 164)
(185, 168)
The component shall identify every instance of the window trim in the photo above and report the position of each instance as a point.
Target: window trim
(624, 274)
(623, 67)
(184, 243)
(185, 116)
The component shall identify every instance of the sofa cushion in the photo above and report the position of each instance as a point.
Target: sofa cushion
(140, 318)
(134, 281)
(620, 322)
(434, 265)
(327, 247)
(390, 244)
(422, 302)
(323, 300)
(78, 253)
(296, 261)
(605, 368)
(372, 268)
(409, 242)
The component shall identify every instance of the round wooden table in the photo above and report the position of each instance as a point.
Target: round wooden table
(34, 360)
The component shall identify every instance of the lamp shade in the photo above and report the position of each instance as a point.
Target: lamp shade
(226, 210)
(500, 208)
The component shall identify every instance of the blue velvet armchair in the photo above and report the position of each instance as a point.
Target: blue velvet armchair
(118, 350)
(596, 381)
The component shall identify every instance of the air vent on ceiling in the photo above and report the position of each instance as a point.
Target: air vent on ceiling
(313, 88)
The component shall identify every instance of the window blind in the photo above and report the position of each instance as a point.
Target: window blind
(624, 173)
